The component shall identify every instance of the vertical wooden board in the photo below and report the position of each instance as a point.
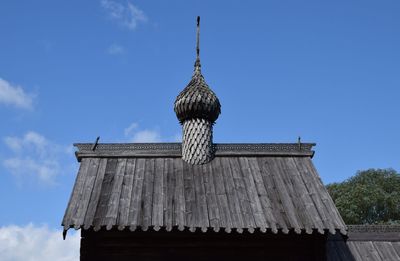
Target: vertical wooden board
(135, 206)
(94, 198)
(225, 218)
(273, 196)
(284, 196)
(301, 164)
(212, 204)
(169, 190)
(361, 248)
(286, 174)
(76, 191)
(113, 203)
(386, 250)
(262, 193)
(158, 193)
(396, 246)
(201, 200)
(232, 195)
(247, 172)
(126, 193)
(354, 250)
(312, 217)
(343, 251)
(109, 177)
(331, 252)
(148, 192)
(84, 197)
(300, 195)
(190, 195)
(371, 252)
(331, 210)
(179, 194)
(240, 187)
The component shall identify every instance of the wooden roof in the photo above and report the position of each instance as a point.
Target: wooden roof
(366, 242)
(266, 187)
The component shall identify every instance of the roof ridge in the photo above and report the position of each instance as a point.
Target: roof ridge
(102, 150)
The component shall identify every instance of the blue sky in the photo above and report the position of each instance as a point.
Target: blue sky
(74, 70)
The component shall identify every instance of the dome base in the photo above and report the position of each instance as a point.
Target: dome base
(197, 147)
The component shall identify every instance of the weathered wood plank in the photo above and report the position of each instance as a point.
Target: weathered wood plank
(212, 204)
(335, 220)
(240, 186)
(396, 246)
(135, 206)
(158, 194)
(113, 203)
(126, 194)
(262, 193)
(101, 211)
(76, 191)
(179, 195)
(233, 199)
(148, 193)
(221, 196)
(354, 251)
(94, 198)
(84, 197)
(283, 193)
(247, 172)
(273, 196)
(312, 218)
(307, 177)
(169, 189)
(201, 200)
(386, 251)
(286, 174)
(190, 195)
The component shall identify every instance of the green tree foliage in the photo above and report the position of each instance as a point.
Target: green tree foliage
(371, 196)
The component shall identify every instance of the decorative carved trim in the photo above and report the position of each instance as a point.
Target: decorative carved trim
(258, 147)
(373, 228)
(82, 147)
(266, 147)
(108, 150)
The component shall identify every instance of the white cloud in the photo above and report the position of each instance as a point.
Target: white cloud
(177, 137)
(130, 130)
(146, 136)
(34, 156)
(116, 49)
(32, 243)
(15, 96)
(135, 135)
(127, 15)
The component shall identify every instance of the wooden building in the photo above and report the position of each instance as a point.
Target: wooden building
(198, 200)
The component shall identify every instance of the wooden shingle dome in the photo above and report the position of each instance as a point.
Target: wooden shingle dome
(197, 100)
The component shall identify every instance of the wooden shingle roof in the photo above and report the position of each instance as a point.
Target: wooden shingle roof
(366, 242)
(266, 187)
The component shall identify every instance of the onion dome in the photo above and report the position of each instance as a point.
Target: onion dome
(197, 100)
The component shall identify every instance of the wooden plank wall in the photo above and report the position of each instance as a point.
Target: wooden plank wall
(178, 245)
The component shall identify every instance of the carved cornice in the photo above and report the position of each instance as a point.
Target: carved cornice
(373, 228)
(174, 149)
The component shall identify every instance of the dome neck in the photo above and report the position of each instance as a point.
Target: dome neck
(197, 66)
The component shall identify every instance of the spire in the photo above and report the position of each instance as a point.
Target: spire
(197, 108)
(197, 64)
